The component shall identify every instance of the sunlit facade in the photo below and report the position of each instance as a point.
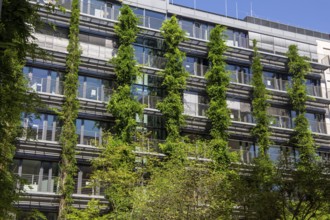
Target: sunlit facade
(38, 150)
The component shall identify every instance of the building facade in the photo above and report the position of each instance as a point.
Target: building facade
(38, 151)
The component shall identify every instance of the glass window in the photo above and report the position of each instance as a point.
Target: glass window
(43, 80)
(89, 132)
(270, 80)
(42, 127)
(97, 8)
(188, 26)
(154, 19)
(194, 104)
(189, 64)
(139, 12)
(94, 88)
(274, 153)
(313, 87)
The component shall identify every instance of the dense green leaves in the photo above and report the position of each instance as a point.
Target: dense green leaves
(115, 173)
(122, 105)
(217, 83)
(69, 114)
(261, 131)
(18, 19)
(175, 76)
(302, 138)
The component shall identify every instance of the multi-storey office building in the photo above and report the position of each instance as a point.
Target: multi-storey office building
(37, 157)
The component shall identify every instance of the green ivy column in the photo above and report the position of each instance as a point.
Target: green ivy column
(175, 76)
(217, 83)
(123, 106)
(302, 138)
(259, 105)
(68, 116)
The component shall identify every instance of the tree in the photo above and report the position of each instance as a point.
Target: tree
(15, 45)
(68, 116)
(257, 196)
(122, 105)
(305, 190)
(174, 79)
(218, 79)
(114, 169)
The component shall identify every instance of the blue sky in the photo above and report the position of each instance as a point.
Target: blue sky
(309, 14)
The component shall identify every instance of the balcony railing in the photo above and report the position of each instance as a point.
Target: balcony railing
(46, 85)
(150, 60)
(39, 183)
(241, 116)
(87, 187)
(280, 121)
(319, 127)
(195, 69)
(39, 133)
(55, 86)
(149, 101)
(148, 145)
(95, 92)
(314, 90)
(195, 109)
(150, 22)
(60, 44)
(240, 77)
(89, 137)
(44, 183)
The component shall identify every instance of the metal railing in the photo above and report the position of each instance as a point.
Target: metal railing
(319, 127)
(39, 133)
(149, 101)
(98, 93)
(87, 187)
(280, 121)
(45, 85)
(89, 137)
(148, 145)
(150, 60)
(51, 86)
(195, 69)
(241, 116)
(37, 183)
(240, 77)
(50, 42)
(271, 47)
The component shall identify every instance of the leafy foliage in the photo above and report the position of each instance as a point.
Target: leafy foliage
(123, 106)
(175, 77)
(115, 173)
(18, 19)
(69, 114)
(178, 188)
(261, 131)
(217, 83)
(302, 138)
(92, 212)
(257, 196)
(305, 195)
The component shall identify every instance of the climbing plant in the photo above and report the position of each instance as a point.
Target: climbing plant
(218, 79)
(122, 105)
(68, 116)
(260, 96)
(302, 138)
(18, 20)
(174, 78)
(114, 169)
